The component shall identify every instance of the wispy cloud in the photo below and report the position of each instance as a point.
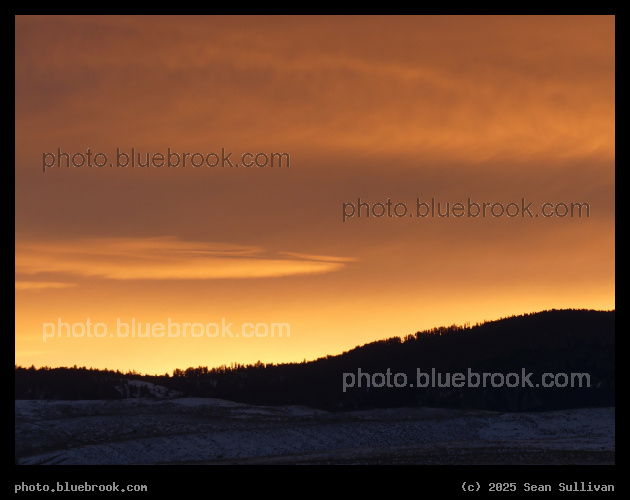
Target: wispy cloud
(322, 258)
(40, 285)
(162, 258)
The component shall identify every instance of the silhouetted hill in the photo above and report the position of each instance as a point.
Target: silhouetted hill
(556, 341)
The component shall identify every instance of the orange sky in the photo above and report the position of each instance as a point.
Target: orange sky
(495, 109)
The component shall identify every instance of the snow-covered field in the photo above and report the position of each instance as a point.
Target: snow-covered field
(191, 430)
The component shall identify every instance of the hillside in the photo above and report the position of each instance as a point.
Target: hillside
(556, 341)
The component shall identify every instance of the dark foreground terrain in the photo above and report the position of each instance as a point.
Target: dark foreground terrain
(213, 431)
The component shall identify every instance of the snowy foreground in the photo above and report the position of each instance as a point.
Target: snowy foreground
(213, 431)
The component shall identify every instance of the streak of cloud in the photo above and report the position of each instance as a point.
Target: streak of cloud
(159, 259)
